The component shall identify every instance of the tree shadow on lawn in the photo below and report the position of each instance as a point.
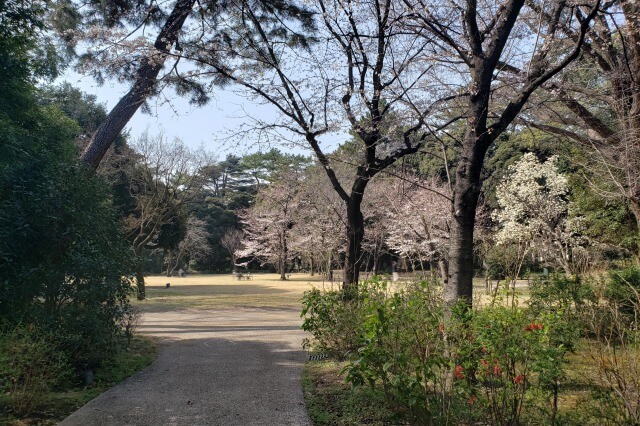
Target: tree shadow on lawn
(210, 290)
(217, 297)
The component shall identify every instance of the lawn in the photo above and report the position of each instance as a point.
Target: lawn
(225, 291)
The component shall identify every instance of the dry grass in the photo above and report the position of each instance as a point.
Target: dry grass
(225, 291)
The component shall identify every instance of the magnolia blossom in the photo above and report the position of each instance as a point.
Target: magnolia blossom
(534, 197)
(535, 211)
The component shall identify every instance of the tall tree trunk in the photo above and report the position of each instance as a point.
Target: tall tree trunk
(355, 235)
(140, 280)
(466, 192)
(144, 86)
(443, 267)
(137, 251)
(283, 256)
(176, 264)
(376, 258)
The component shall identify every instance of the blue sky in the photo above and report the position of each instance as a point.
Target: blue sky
(210, 126)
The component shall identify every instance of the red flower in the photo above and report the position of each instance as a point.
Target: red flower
(533, 326)
(458, 372)
(497, 370)
(472, 399)
(519, 379)
(483, 362)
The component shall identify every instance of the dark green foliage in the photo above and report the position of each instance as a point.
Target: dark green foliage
(64, 263)
(561, 293)
(607, 221)
(267, 167)
(622, 290)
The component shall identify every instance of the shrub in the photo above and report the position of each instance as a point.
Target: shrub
(614, 351)
(569, 294)
(30, 366)
(477, 366)
(405, 352)
(516, 358)
(335, 321)
(622, 290)
(65, 263)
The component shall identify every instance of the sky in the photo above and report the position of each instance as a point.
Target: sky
(212, 126)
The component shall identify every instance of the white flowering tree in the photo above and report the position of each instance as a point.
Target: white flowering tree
(267, 225)
(319, 234)
(418, 215)
(534, 215)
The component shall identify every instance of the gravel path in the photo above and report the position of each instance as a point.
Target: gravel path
(215, 367)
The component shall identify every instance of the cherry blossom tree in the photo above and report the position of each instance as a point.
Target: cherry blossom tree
(479, 39)
(319, 234)
(418, 221)
(267, 225)
(365, 76)
(597, 104)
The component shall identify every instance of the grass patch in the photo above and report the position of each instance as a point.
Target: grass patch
(224, 291)
(332, 401)
(57, 405)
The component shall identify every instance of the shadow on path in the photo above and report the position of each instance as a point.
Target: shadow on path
(245, 371)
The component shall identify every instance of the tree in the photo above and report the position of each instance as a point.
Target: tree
(484, 38)
(162, 183)
(364, 75)
(194, 245)
(319, 236)
(597, 105)
(232, 241)
(267, 225)
(149, 62)
(534, 213)
(150, 59)
(418, 220)
(266, 167)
